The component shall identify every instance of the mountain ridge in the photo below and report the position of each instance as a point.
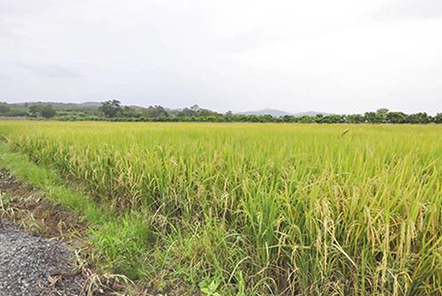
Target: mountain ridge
(96, 105)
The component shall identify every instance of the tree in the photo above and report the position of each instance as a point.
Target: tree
(4, 108)
(381, 114)
(438, 118)
(111, 108)
(195, 108)
(397, 117)
(306, 119)
(34, 110)
(205, 112)
(129, 112)
(288, 118)
(156, 111)
(188, 112)
(420, 117)
(371, 117)
(47, 111)
(355, 118)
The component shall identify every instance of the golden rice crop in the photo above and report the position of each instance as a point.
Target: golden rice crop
(261, 208)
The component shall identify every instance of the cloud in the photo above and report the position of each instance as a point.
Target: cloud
(53, 71)
(12, 11)
(336, 56)
(417, 9)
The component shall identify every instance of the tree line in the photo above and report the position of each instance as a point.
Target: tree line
(113, 110)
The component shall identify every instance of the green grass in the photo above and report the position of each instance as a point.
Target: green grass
(107, 230)
(251, 209)
(49, 181)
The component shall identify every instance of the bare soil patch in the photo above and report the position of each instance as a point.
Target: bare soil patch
(29, 263)
(36, 242)
(25, 205)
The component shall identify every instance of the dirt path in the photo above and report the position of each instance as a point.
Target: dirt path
(35, 243)
(31, 265)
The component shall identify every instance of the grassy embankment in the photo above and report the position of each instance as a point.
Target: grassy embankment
(257, 208)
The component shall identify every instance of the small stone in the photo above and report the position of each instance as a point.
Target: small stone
(26, 262)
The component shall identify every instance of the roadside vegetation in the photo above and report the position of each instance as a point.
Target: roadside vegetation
(249, 209)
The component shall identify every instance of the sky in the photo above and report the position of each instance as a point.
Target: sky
(341, 56)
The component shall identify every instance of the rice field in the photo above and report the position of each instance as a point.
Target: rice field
(256, 209)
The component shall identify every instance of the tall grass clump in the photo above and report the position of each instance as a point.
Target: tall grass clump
(260, 209)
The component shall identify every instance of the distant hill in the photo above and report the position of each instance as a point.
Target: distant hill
(273, 112)
(93, 107)
(90, 104)
(70, 106)
(279, 113)
(310, 113)
(63, 106)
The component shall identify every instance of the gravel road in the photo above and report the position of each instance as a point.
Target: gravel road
(30, 265)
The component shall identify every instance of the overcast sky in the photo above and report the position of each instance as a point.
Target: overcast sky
(337, 56)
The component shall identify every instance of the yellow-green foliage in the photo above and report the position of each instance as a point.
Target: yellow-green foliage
(261, 208)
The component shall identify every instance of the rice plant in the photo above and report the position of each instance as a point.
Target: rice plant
(258, 209)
